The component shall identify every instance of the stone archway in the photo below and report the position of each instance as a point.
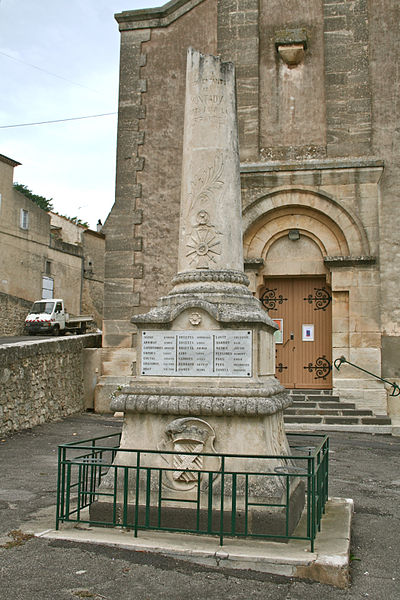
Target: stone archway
(320, 228)
(339, 231)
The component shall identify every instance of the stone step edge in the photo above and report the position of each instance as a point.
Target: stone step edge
(325, 405)
(308, 391)
(313, 398)
(327, 412)
(380, 429)
(337, 419)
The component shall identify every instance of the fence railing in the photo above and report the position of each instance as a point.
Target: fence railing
(101, 484)
(342, 360)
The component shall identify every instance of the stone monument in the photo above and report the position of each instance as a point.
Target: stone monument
(205, 355)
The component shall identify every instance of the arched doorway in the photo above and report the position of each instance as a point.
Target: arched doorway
(293, 233)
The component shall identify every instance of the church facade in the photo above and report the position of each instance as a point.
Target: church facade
(317, 94)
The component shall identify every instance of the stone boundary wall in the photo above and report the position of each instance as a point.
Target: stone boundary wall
(13, 311)
(42, 381)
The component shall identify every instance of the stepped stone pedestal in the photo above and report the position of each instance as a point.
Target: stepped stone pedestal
(205, 368)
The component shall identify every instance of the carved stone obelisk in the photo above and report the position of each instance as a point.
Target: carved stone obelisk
(210, 225)
(205, 357)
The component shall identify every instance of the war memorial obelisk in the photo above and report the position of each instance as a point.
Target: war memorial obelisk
(205, 355)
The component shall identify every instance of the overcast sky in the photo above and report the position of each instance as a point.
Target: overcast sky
(59, 59)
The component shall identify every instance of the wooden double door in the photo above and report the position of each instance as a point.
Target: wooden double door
(302, 308)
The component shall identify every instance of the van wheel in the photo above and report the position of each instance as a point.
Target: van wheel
(56, 330)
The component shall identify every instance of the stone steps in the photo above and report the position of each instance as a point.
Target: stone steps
(318, 408)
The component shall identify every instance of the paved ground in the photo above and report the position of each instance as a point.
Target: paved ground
(363, 466)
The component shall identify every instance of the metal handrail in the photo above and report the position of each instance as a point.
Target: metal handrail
(339, 361)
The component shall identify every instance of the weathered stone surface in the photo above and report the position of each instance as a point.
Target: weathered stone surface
(339, 102)
(210, 171)
(210, 295)
(241, 403)
(12, 314)
(42, 381)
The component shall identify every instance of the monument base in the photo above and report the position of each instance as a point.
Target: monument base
(266, 521)
(194, 467)
(328, 564)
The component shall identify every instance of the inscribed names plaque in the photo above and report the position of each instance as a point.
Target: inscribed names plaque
(197, 353)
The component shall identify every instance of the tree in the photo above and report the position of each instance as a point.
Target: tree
(78, 221)
(45, 203)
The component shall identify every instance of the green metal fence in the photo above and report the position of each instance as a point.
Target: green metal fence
(98, 471)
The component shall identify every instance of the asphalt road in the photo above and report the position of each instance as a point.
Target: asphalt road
(362, 466)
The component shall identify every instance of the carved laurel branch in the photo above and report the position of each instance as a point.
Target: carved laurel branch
(207, 183)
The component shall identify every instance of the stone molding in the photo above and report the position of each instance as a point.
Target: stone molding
(349, 261)
(345, 219)
(288, 37)
(351, 165)
(253, 263)
(228, 276)
(155, 17)
(213, 402)
(223, 312)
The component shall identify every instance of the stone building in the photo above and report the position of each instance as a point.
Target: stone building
(317, 90)
(44, 255)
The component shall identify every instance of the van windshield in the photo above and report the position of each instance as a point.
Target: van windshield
(42, 307)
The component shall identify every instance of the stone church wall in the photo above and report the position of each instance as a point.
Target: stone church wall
(328, 127)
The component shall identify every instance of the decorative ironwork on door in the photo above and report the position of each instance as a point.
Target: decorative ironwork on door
(321, 298)
(269, 299)
(321, 368)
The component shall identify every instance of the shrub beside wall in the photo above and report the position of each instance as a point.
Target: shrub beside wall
(42, 381)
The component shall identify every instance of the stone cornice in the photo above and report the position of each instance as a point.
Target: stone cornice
(350, 169)
(244, 402)
(313, 164)
(253, 263)
(155, 17)
(349, 261)
(249, 311)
